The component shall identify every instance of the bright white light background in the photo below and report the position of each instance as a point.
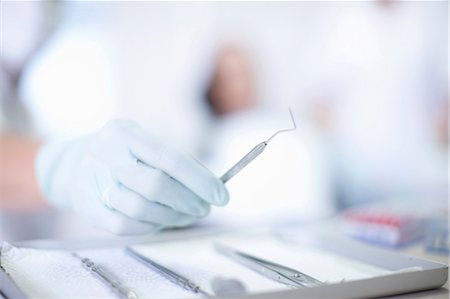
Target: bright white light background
(379, 67)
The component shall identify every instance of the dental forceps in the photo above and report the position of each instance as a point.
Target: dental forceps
(255, 152)
(277, 272)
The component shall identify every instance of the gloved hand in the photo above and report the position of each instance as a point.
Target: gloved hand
(123, 180)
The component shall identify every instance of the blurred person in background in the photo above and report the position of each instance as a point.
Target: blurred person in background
(292, 171)
(385, 102)
(25, 29)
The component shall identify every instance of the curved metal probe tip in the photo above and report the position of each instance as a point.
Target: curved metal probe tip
(285, 130)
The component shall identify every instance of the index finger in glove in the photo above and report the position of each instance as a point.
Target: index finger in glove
(181, 167)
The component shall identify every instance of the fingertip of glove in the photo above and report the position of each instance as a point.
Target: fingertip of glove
(222, 197)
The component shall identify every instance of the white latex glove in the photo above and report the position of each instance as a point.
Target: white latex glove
(122, 180)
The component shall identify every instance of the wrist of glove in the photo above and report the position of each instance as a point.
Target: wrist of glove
(122, 180)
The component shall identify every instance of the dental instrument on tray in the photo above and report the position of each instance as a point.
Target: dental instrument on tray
(277, 272)
(174, 277)
(255, 152)
(106, 278)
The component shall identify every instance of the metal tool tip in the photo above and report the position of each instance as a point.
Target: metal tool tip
(285, 130)
(74, 254)
(292, 117)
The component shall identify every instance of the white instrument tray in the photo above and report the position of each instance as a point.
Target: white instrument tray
(405, 274)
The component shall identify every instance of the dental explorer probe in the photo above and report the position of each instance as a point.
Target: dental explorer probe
(255, 152)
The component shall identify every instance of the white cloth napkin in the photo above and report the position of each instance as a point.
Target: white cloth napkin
(57, 274)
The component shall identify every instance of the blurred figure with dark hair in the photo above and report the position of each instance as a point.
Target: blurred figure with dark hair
(232, 87)
(292, 170)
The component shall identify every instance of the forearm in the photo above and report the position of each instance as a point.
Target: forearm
(19, 189)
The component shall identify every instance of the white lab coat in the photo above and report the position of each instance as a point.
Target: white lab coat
(389, 65)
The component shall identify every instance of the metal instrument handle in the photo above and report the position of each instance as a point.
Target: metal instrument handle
(176, 278)
(107, 279)
(255, 152)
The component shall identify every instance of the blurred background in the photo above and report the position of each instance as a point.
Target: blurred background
(367, 82)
